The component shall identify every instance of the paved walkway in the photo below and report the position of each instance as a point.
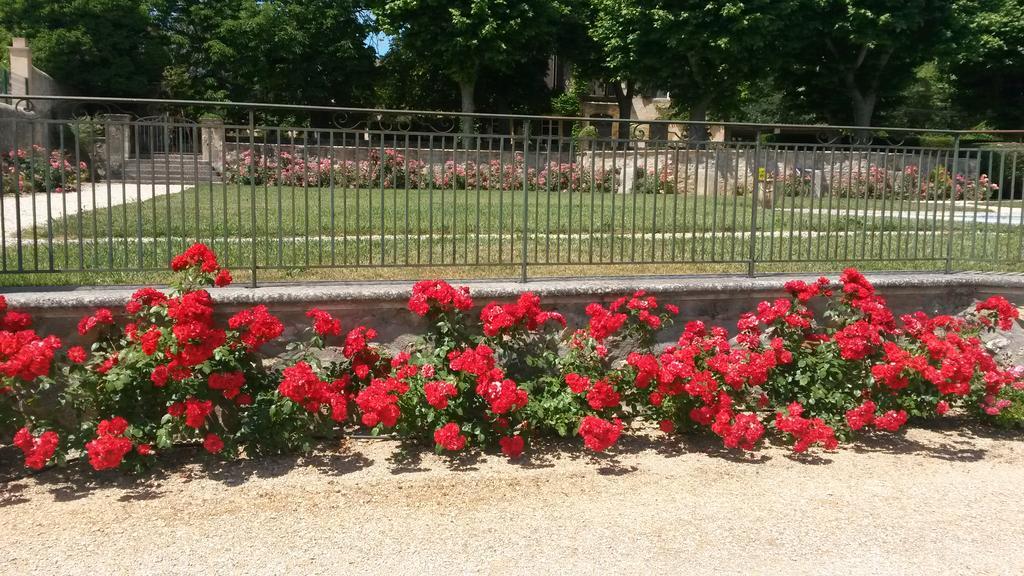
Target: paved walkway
(26, 210)
(932, 502)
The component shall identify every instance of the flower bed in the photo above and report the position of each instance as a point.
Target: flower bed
(394, 170)
(40, 170)
(165, 372)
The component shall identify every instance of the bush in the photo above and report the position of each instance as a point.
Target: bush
(166, 372)
(394, 170)
(40, 170)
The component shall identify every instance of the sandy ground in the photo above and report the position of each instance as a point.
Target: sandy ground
(30, 209)
(930, 502)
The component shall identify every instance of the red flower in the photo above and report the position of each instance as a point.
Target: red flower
(151, 340)
(1004, 312)
(145, 450)
(212, 443)
(77, 354)
(26, 356)
(891, 420)
(578, 384)
(257, 326)
(196, 255)
(37, 450)
(324, 324)
(503, 396)
(512, 446)
(450, 437)
(107, 365)
(379, 402)
(102, 317)
(438, 393)
(604, 322)
(861, 416)
(438, 295)
(159, 375)
(806, 431)
(223, 278)
(106, 452)
(196, 412)
(602, 395)
(177, 409)
(116, 426)
(942, 407)
(230, 383)
(667, 426)
(598, 434)
(15, 321)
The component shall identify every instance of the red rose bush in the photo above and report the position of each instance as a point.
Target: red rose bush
(813, 368)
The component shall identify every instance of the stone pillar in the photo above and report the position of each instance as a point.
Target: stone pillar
(21, 67)
(212, 144)
(116, 145)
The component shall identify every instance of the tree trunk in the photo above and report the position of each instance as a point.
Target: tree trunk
(863, 111)
(697, 133)
(467, 89)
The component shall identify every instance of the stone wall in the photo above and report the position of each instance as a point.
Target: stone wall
(383, 305)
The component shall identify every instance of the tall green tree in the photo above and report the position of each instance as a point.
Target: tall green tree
(847, 55)
(617, 30)
(701, 51)
(464, 38)
(91, 47)
(986, 63)
(285, 51)
(704, 51)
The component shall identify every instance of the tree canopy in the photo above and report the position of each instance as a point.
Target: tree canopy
(935, 62)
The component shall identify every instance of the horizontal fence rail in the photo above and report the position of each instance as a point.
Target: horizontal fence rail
(108, 190)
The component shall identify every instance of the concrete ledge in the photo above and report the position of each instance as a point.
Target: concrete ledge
(56, 298)
(718, 300)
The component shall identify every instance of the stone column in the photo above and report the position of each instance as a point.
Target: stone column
(21, 67)
(212, 142)
(115, 143)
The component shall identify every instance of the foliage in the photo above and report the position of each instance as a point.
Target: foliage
(464, 38)
(40, 170)
(986, 62)
(852, 53)
(168, 372)
(295, 52)
(93, 47)
(395, 170)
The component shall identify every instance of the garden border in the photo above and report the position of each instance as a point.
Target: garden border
(716, 300)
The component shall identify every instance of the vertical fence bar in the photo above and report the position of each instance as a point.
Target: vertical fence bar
(526, 201)
(752, 260)
(252, 194)
(952, 205)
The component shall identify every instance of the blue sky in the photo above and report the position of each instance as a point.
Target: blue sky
(380, 42)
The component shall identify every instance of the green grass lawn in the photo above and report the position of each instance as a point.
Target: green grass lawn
(225, 211)
(345, 234)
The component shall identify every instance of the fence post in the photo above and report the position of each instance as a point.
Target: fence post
(526, 199)
(751, 263)
(952, 204)
(252, 191)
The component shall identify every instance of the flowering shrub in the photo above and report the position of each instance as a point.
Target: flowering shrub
(393, 169)
(40, 170)
(164, 371)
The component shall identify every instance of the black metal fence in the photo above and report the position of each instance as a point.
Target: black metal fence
(112, 187)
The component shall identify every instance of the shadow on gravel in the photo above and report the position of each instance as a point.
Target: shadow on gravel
(957, 444)
(79, 480)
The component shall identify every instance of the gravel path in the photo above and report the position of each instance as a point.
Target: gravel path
(26, 210)
(931, 502)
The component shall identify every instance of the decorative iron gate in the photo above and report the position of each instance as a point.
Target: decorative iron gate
(164, 134)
